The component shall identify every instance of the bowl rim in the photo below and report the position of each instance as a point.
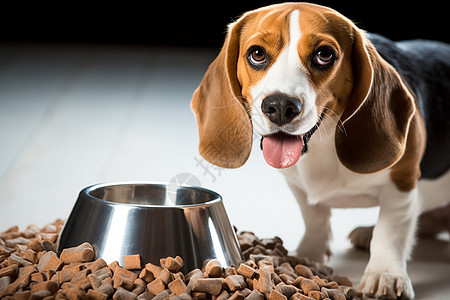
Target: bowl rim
(86, 192)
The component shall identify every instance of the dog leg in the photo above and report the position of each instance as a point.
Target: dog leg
(393, 238)
(315, 243)
(360, 237)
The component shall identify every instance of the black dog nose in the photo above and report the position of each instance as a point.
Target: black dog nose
(281, 108)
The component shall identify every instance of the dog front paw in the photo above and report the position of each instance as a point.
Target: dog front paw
(387, 286)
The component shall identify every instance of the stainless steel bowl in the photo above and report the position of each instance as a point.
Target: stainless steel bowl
(154, 220)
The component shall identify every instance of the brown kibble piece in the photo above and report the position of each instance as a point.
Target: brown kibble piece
(212, 286)
(285, 289)
(145, 296)
(193, 274)
(123, 294)
(74, 292)
(156, 286)
(28, 270)
(348, 291)
(146, 275)
(237, 296)
(35, 245)
(29, 255)
(163, 295)
(122, 281)
(332, 285)
(66, 274)
(178, 287)
(154, 269)
(224, 295)
(230, 271)
(79, 276)
(112, 266)
(265, 284)
(119, 271)
(213, 268)
(165, 276)
(178, 275)
(132, 262)
(103, 271)
(246, 271)
(80, 253)
(246, 292)
(275, 295)
(97, 265)
(15, 259)
(343, 280)
(235, 282)
(49, 261)
(10, 271)
(286, 268)
(96, 281)
(106, 287)
(304, 271)
(96, 295)
(334, 294)
(320, 282)
(308, 285)
(172, 264)
(139, 286)
(317, 295)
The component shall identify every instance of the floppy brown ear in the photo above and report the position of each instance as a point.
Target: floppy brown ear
(377, 115)
(224, 126)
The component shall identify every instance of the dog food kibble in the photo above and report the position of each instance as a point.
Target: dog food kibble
(132, 262)
(212, 286)
(235, 282)
(213, 268)
(172, 264)
(81, 253)
(31, 269)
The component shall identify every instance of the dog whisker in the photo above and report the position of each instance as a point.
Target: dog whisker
(339, 123)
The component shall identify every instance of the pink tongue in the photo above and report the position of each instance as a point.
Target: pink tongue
(282, 150)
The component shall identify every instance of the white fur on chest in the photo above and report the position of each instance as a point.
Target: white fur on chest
(322, 177)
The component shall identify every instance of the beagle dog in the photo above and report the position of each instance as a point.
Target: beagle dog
(352, 119)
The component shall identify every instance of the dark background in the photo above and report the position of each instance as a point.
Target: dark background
(199, 24)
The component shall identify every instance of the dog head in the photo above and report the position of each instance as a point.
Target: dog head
(284, 67)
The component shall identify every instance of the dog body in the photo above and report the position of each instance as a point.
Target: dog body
(348, 117)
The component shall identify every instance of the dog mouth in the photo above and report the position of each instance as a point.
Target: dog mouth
(282, 150)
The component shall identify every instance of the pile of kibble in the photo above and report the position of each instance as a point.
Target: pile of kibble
(30, 269)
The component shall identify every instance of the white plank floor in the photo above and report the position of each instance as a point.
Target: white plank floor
(72, 116)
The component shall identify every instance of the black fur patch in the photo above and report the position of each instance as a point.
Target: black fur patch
(425, 68)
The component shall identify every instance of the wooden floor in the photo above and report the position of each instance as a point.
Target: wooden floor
(72, 116)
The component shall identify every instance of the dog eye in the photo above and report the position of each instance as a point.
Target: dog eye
(324, 56)
(257, 56)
